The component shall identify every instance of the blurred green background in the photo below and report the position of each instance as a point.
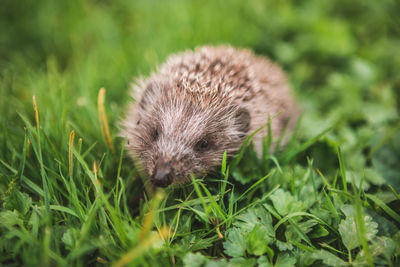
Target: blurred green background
(342, 59)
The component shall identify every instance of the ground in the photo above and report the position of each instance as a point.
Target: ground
(70, 196)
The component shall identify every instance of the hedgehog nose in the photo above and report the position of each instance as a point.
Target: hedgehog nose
(162, 177)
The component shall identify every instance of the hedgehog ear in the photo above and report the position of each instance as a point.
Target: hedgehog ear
(243, 119)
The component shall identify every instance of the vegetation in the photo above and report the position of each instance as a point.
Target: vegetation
(69, 195)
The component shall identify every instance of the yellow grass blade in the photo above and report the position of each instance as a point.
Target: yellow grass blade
(105, 132)
(36, 112)
(70, 154)
(149, 217)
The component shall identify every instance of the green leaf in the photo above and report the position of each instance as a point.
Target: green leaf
(235, 244)
(328, 258)
(285, 203)
(263, 262)
(285, 260)
(194, 259)
(256, 242)
(348, 229)
(256, 216)
(380, 245)
(320, 231)
(19, 201)
(70, 237)
(297, 231)
(255, 226)
(374, 176)
(283, 246)
(10, 218)
(218, 263)
(239, 262)
(202, 243)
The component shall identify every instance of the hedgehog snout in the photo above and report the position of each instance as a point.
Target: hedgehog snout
(162, 174)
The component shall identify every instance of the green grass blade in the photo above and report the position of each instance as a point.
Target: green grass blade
(254, 185)
(304, 146)
(385, 207)
(342, 169)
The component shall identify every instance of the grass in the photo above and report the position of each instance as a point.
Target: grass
(69, 195)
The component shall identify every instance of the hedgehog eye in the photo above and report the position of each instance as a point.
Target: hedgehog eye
(202, 145)
(154, 134)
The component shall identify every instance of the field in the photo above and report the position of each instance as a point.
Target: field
(70, 195)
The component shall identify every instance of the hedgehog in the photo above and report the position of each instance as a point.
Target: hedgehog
(201, 103)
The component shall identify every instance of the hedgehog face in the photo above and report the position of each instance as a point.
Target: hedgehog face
(179, 151)
(175, 138)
